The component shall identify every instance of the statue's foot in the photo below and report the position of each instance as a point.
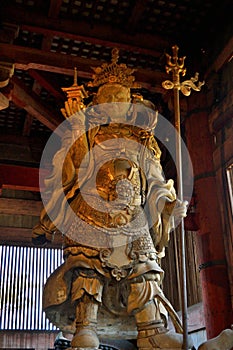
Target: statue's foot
(85, 339)
(160, 339)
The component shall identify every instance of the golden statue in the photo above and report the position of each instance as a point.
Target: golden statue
(115, 210)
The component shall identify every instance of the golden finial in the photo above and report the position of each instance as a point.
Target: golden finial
(75, 91)
(113, 72)
(75, 76)
(75, 95)
(176, 66)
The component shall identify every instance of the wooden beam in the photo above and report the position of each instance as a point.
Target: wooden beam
(11, 206)
(50, 86)
(54, 8)
(27, 125)
(136, 15)
(221, 113)
(46, 43)
(51, 69)
(23, 237)
(19, 175)
(48, 33)
(24, 188)
(26, 58)
(8, 31)
(225, 56)
(29, 101)
(48, 61)
(100, 33)
(29, 118)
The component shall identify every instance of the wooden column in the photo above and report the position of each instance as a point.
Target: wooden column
(210, 237)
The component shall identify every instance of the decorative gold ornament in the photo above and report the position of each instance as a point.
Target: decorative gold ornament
(113, 73)
(75, 91)
(75, 95)
(175, 65)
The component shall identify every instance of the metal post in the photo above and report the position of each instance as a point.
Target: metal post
(182, 231)
(176, 66)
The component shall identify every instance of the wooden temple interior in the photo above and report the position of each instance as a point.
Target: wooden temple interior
(41, 42)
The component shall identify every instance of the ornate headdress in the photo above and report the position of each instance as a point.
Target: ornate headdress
(113, 73)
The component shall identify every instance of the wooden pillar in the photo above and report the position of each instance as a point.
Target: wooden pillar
(210, 237)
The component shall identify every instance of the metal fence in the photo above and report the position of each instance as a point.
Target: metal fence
(23, 273)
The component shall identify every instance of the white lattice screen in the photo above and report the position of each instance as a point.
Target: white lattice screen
(23, 273)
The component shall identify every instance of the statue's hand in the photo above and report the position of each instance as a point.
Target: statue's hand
(73, 111)
(73, 106)
(180, 209)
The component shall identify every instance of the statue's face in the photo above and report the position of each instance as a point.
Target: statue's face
(111, 93)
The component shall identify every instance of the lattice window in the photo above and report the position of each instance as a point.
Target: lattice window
(24, 271)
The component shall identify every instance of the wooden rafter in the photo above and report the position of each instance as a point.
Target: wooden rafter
(29, 118)
(16, 177)
(49, 33)
(23, 236)
(48, 61)
(44, 81)
(225, 56)
(11, 206)
(136, 15)
(26, 58)
(95, 33)
(29, 101)
(54, 8)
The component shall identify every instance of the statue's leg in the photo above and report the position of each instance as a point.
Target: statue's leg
(86, 294)
(85, 336)
(152, 330)
(152, 334)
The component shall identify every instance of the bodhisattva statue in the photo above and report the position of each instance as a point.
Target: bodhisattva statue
(115, 210)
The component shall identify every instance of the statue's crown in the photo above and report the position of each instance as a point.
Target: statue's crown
(113, 72)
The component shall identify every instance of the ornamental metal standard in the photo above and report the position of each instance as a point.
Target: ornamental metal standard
(175, 65)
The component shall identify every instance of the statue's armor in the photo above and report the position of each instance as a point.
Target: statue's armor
(110, 215)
